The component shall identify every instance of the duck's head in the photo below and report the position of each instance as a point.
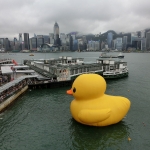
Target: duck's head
(88, 86)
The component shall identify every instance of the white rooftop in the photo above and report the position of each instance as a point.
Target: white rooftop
(6, 70)
(23, 66)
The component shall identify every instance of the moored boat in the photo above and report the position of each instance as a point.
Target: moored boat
(114, 69)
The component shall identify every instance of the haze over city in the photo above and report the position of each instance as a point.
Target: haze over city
(84, 16)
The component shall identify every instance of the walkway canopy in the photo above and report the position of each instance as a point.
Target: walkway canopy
(6, 70)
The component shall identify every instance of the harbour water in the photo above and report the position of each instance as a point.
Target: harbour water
(40, 119)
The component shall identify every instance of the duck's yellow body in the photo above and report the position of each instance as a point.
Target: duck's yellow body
(92, 106)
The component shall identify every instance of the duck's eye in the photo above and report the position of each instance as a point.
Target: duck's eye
(74, 90)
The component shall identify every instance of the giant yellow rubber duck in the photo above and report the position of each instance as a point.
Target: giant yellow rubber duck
(92, 106)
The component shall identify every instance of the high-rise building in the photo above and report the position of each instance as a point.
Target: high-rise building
(73, 34)
(119, 43)
(143, 34)
(12, 45)
(46, 39)
(84, 42)
(129, 38)
(56, 34)
(75, 45)
(148, 40)
(91, 45)
(56, 29)
(51, 37)
(109, 39)
(1, 43)
(69, 42)
(7, 44)
(102, 45)
(26, 41)
(84, 39)
(143, 44)
(63, 39)
(97, 45)
(125, 38)
(15, 40)
(114, 44)
(20, 38)
(20, 41)
(40, 40)
(80, 44)
(33, 43)
(16, 44)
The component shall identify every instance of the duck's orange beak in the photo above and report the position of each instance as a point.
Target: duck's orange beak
(69, 92)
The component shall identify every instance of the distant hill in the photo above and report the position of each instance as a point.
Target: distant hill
(103, 36)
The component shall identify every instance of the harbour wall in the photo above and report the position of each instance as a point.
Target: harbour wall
(11, 99)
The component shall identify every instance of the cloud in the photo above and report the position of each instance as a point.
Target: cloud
(86, 16)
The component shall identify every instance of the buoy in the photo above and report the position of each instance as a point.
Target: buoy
(129, 139)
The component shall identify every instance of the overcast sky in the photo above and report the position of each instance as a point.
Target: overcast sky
(86, 16)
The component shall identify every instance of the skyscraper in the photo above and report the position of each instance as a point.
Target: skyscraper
(63, 39)
(56, 34)
(20, 38)
(119, 43)
(20, 41)
(2, 43)
(33, 43)
(148, 40)
(26, 41)
(40, 40)
(124, 41)
(51, 37)
(7, 44)
(56, 29)
(69, 42)
(109, 39)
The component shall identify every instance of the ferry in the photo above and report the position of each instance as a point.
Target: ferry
(105, 55)
(114, 69)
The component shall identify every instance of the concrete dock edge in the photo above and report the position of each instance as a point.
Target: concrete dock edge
(11, 99)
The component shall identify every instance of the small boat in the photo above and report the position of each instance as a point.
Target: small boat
(120, 55)
(31, 55)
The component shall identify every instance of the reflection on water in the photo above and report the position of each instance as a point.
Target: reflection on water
(87, 137)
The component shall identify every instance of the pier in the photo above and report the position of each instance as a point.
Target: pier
(11, 90)
(53, 73)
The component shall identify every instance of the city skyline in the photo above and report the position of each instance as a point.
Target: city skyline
(83, 16)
